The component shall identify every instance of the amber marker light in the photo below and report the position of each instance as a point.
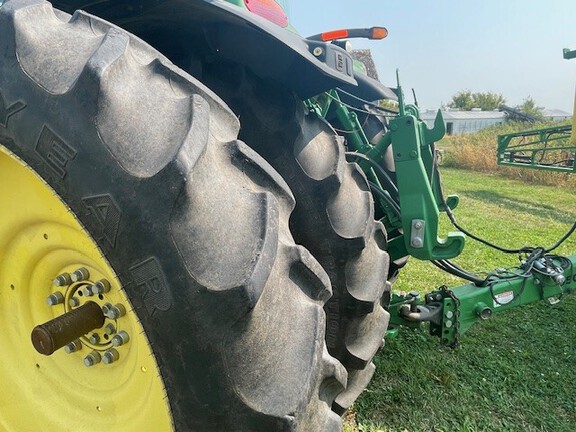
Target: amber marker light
(379, 33)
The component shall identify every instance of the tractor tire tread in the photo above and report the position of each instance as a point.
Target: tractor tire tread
(151, 167)
(334, 213)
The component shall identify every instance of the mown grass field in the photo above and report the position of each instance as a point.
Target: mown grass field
(515, 372)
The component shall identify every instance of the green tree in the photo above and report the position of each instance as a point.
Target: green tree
(488, 101)
(466, 100)
(462, 100)
(529, 107)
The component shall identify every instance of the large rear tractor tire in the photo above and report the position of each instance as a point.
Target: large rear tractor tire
(333, 218)
(122, 184)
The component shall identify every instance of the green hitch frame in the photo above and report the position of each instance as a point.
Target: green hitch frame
(419, 190)
(413, 218)
(452, 312)
(420, 193)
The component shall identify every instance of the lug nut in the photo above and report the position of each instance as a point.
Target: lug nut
(74, 302)
(120, 339)
(62, 280)
(110, 329)
(100, 287)
(93, 358)
(80, 275)
(110, 356)
(114, 312)
(73, 346)
(94, 338)
(86, 291)
(55, 298)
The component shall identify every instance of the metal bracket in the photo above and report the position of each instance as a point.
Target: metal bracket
(429, 313)
(417, 233)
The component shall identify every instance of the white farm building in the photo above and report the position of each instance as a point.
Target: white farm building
(460, 122)
(556, 115)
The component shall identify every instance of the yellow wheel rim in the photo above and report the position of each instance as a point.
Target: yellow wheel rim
(40, 239)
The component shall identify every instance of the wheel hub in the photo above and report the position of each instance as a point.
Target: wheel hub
(51, 268)
(98, 328)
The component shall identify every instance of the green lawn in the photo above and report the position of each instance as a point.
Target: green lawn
(515, 372)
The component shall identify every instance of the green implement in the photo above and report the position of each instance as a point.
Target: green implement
(548, 149)
(551, 148)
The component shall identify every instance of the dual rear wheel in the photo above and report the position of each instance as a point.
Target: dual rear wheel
(123, 185)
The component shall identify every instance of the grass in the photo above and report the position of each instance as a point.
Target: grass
(515, 372)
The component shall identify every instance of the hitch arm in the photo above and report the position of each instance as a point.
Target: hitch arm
(452, 312)
(420, 205)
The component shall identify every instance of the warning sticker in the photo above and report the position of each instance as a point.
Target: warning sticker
(503, 298)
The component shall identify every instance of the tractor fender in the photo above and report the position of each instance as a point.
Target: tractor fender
(217, 28)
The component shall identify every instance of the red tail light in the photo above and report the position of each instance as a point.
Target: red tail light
(334, 35)
(268, 9)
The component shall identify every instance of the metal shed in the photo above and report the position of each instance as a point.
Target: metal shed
(460, 122)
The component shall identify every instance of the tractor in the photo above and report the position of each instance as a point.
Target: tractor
(203, 214)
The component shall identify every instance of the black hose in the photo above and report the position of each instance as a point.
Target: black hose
(389, 184)
(386, 197)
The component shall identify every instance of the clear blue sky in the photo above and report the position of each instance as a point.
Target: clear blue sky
(512, 47)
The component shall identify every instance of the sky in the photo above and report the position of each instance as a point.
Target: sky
(509, 47)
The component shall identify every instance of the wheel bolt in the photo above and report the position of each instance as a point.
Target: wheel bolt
(120, 339)
(62, 280)
(87, 291)
(74, 302)
(94, 338)
(93, 358)
(417, 242)
(79, 275)
(55, 298)
(110, 356)
(73, 346)
(110, 329)
(114, 312)
(100, 287)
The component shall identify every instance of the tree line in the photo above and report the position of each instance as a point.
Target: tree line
(487, 101)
